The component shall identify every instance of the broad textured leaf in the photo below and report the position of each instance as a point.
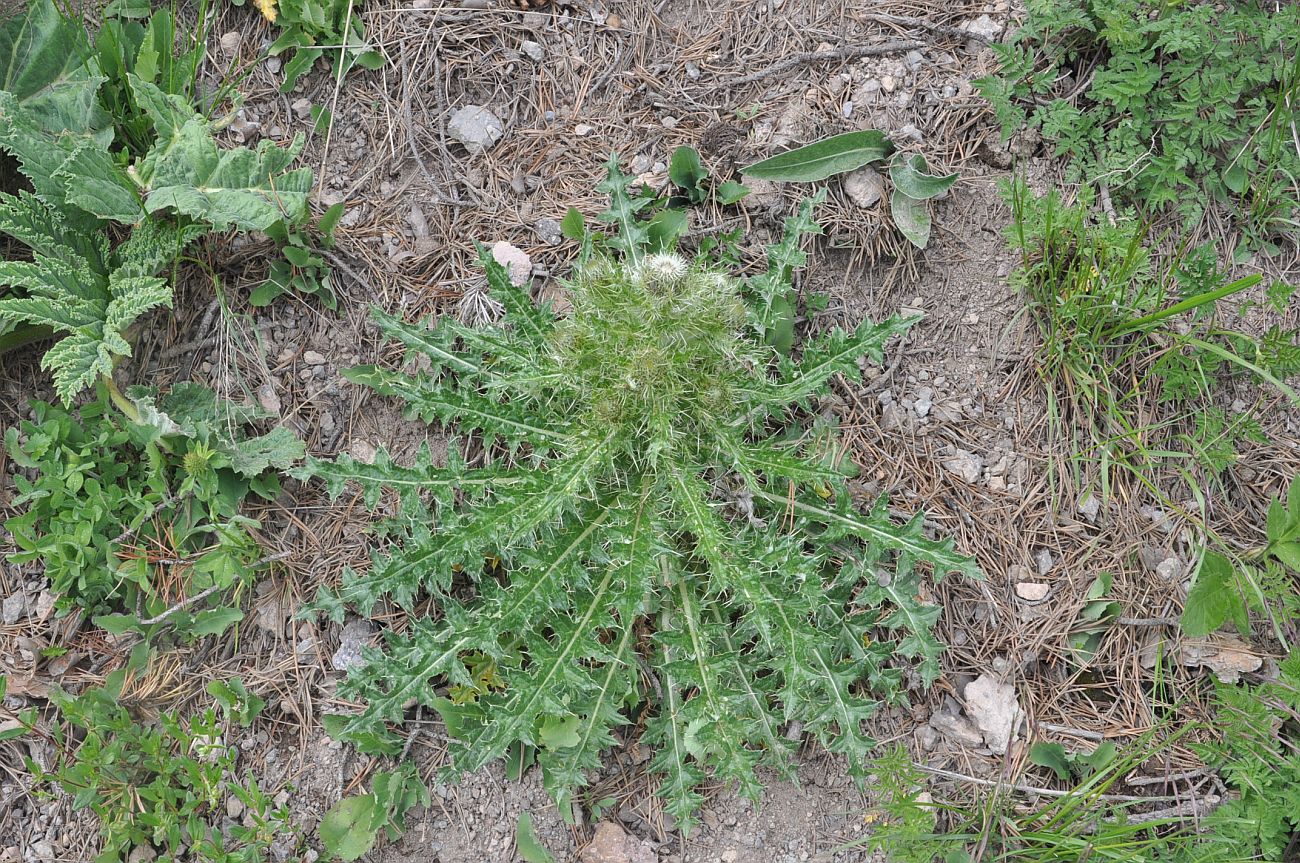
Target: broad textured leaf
(46, 64)
(817, 161)
(912, 177)
(911, 217)
(350, 827)
(95, 183)
(186, 172)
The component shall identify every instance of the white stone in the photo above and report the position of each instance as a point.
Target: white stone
(864, 187)
(1089, 507)
(1032, 591)
(1170, 569)
(356, 634)
(965, 465)
(533, 51)
(14, 608)
(992, 706)
(1044, 561)
(983, 26)
(515, 260)
(363, 451)
(476, 128)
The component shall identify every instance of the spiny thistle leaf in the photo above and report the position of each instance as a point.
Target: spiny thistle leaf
(645, 541)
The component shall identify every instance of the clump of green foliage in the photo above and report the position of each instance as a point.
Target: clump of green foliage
(1109, 351)
(162, 787)
(1258, 757)
(140, 516)
(313, 27)
(640, 547)
(1171, 104)
(352, 825)
(1228, 587)
(99, 225)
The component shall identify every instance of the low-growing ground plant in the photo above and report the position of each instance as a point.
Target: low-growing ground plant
(913, 183)
(352, 826)
(1172, 105)
(638, 549)
(141, 519)
(1124, 337)
(163, 787)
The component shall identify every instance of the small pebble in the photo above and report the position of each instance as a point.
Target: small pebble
(533, 51)
(231, 41)
(313, 358)
(1032, 591)
(1044, 561)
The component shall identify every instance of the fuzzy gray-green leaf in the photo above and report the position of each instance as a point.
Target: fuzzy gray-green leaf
(817, 161)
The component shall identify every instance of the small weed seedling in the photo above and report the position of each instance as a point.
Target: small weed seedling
(694, 185)
(302, 270)
(352, 825)
(641, 547)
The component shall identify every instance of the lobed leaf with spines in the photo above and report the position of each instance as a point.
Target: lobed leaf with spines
(770, 289)
(645, 541)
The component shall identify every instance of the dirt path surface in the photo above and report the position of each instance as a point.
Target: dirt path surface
(956, 425)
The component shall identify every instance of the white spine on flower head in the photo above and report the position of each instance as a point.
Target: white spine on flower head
(665, 269)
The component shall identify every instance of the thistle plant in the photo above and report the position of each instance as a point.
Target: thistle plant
(646, 544)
